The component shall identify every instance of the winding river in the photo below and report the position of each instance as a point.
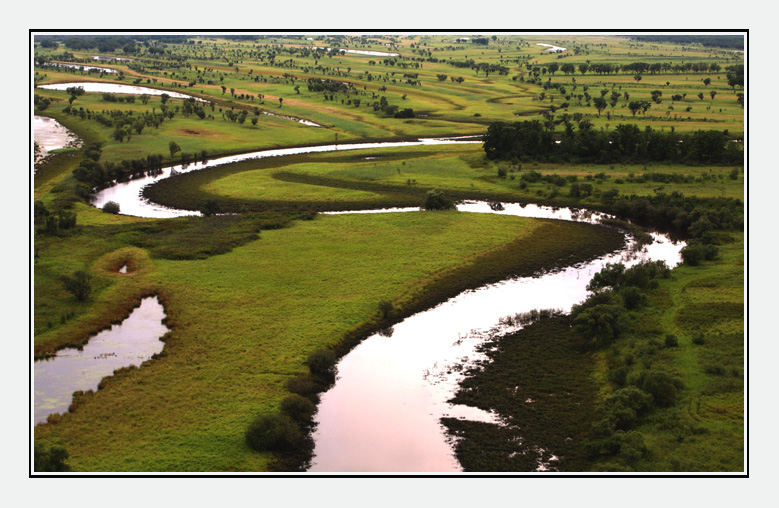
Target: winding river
(384, 411)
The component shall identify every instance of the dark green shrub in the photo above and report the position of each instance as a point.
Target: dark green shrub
(322, 362)
(633, 298)
(619, 375)
(50, 460)
(209, 208)
(714, 370)
(304, 385)
(624, 406)
(273, 432)
(298, 408)
(602, 324)
(80, 285)
(385, 308)
(671, 340)
(698, 339)
(111, 207)
(435, 200)
(660, 385)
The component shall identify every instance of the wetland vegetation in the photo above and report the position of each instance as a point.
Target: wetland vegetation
(263, 291)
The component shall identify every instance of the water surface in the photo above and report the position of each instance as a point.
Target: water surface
(118, 88)
(49, 135)
(384, 411)
(131, 342)
(131, 202)
(552, 47)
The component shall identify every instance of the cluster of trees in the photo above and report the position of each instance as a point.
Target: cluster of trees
(634, 67)
(54, 221)
(286, 430)
(719, 41)
(485, 67)
(534, 140)
(692, 216)
(93, 173)
(41, 102)
(603, 318)
(328, 85)
(104, 44)
(50, 459)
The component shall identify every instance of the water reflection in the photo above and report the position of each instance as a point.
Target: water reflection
(132, 342)
(131, 202)
(50, 135)
(118, 88)
(384, 411)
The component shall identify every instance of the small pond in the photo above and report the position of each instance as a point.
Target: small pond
(49, 135)
(131, 342)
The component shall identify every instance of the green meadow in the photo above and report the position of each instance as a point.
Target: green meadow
(251, 291)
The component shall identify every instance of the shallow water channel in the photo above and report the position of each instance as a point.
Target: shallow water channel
(384, 411)
(131, 202)
(117, 88)
(86, 68)
(551, 48)
(131, 342)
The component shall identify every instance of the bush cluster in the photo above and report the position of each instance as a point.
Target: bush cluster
(532, 139)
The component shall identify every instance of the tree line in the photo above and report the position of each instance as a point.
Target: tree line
(533, 140)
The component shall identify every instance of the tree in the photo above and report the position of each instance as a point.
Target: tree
(119, 134)
(79, 285)
(600, 104)
(298, 408)
(281, 100)
(174, 148)
(637, 77)
(435, 200)
(713, 93)
(272, 431)
(700, 95)
(321, 362)
(111, 207)
(50, 460)
(210, 208)
(707, 81)
(164, 98)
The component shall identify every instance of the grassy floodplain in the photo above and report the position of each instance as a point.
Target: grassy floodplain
(258, 311)
(250, 295)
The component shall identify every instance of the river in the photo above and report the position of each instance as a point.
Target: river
(384, 412)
